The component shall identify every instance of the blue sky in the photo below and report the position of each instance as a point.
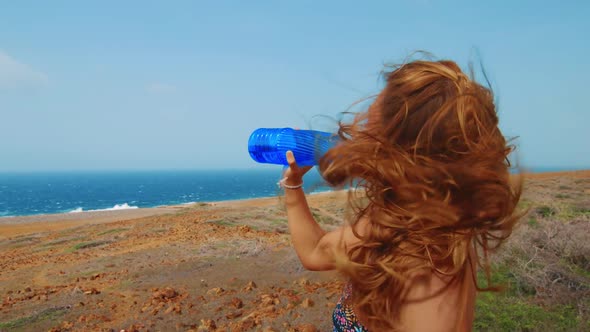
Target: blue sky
(182, 84)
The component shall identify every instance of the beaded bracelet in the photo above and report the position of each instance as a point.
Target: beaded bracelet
(282, 184)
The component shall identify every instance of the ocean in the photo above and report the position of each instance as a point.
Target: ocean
(71, 192)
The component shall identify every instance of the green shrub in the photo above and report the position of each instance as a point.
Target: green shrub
(545, 211)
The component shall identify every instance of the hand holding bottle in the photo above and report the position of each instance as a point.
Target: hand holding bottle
(269, 145)
(293, 175)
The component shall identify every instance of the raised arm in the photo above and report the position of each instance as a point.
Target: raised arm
(313, 245)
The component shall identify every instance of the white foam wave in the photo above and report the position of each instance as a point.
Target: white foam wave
(321, 190)
(5, 214)
(123, 206)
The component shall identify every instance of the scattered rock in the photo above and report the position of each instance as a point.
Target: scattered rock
(173, 308)
(67, 325)
(207, 325)
(134, 328)
(287, 292)
(243, 326)
(303, 282)
(215, 291)
(170, 293)
(244, 229)
(249, 323)
(167, 293)
(92, 291)
(266, 299)
(237, 303)
(77, 290)
(306, 328)
(234, 314)
(269, 309)
(250, 286)
(307, 303)
(96, 276)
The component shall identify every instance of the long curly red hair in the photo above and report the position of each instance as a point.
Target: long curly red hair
(433, 167)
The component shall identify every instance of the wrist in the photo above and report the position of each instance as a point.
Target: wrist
(290, 183)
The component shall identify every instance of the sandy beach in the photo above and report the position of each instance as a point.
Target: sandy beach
(219, 266)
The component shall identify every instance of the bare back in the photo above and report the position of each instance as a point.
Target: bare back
(434, 302)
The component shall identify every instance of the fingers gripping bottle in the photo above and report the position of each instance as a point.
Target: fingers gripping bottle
(269, 145)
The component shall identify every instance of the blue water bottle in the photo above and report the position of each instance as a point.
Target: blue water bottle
(269, 145)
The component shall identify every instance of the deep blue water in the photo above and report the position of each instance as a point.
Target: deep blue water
(57, 192)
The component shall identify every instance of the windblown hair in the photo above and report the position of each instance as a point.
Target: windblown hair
(433, 165)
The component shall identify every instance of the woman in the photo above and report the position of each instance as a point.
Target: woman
(432, 165)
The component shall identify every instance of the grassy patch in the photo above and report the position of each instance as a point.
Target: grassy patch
(86, 245)
(582, 210)
(533, 222)
(323, 219)
(223, 222)
(578, 265)
(504, 277)
(24, 239)
(545, 211)
(515, 309)
(278, 222)
(47, 314)
(498, 312)
(562, 196)
(524, 204)
(562, 187)
(193, 207)
(114, 230)
(61, 241)
(569, 212)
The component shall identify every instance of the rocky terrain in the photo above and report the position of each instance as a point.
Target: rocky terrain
(229, 266)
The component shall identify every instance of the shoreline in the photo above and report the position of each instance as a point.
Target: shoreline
(176, 206)
(101, 216)
(44, 223)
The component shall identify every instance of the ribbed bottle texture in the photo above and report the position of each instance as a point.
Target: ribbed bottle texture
(269, 145)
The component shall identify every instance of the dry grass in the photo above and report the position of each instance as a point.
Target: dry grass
(545, 264)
